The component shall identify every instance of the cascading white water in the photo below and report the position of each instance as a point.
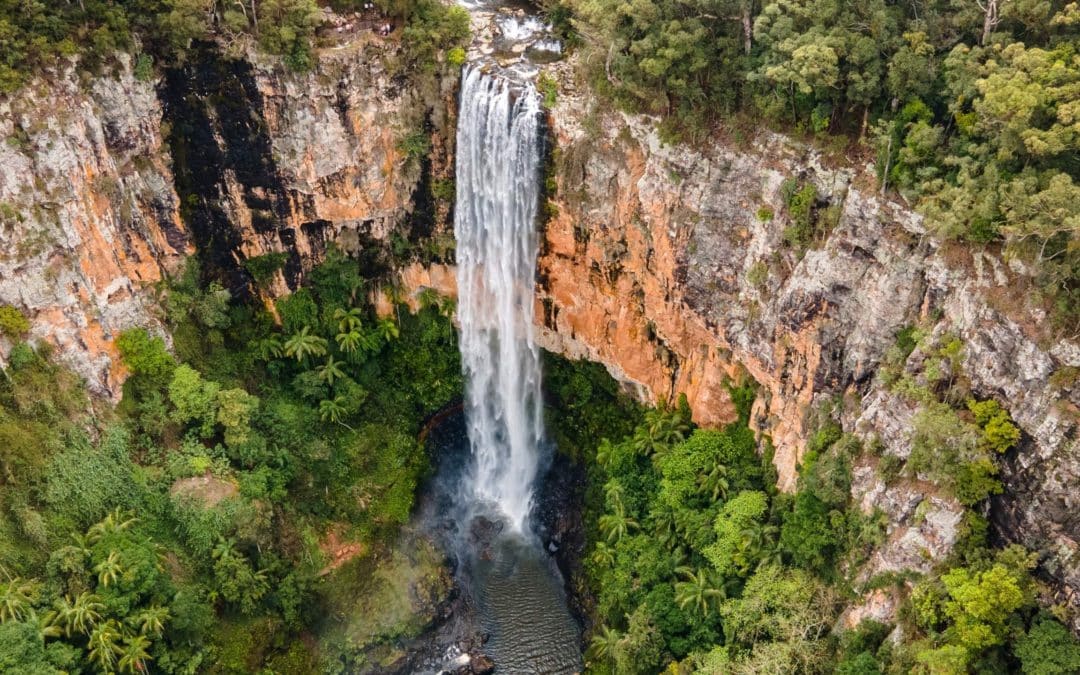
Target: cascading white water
(498, 183)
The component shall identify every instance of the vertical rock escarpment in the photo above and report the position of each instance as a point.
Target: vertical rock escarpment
(672, 265)
(88, 215)
(270, 161)
(107, 185)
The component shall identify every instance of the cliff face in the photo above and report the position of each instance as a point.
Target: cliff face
(670, 266)
(105, 187)
(272, 161)
(88, 215)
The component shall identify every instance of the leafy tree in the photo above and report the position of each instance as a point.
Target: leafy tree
(808, 534)
(17, 596)
(699, 590)
(641, 648)
(781, 606)
(304, 345)
(235, 408)
(736, 549)
(145, 355)
(1048, 648)
(194, 399)
(23, 651)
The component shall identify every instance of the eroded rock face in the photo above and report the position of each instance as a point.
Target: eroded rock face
(88, 215)
(669, 265)
(274, 161)
(106, 187)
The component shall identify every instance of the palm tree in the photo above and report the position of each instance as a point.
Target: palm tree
(715, 482)
(665, 525)
(661, 430)
(605, 454)
(16, 598)
(331, 410)
(617, 524)
(349, 341)
(613, 493)
(758, 545)
(134, 655)
(151, 620)
(109, 569)
(388, 330)
(699, 590)
(267, 348)
(46, 625)
(117, 521)
(603, 555)
(348, 320)
(104, 644)
(330, 371)
(224, 550)
(603, 644)
(305, 344)
(80, 615)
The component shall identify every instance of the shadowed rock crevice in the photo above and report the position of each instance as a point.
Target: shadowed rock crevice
(223, 165)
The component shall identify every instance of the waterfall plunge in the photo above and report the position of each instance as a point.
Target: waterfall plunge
(498, 184)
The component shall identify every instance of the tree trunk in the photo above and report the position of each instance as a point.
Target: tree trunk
(747, 29)
(990, 19)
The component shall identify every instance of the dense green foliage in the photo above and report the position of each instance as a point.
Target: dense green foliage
(183, 529)
(970, 107)
(697, 564)
(38, 35)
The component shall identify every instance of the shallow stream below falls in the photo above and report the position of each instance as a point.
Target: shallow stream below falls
(512, 606)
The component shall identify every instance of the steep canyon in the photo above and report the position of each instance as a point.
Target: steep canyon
(667, 264)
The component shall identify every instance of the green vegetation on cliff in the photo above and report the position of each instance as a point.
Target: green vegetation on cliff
(36, 36)
(698, 565)
(970, 107)
(191, 528)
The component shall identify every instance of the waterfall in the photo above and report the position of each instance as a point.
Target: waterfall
(498, 184)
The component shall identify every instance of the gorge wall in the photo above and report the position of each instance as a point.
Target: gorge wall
(670, 265)
(107, 186)
(665, 263)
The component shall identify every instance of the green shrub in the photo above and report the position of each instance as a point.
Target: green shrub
(999, 434)
(13, 323)
(415, 144)
(145, 355)
(548, 88)
(456, 57)
(85, 482)
(1048, 648)
(262, 268)
(758, 274)
(144, 68)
